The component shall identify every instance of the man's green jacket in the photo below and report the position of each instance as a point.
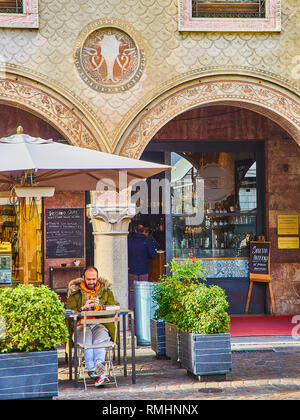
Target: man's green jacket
(78, 297)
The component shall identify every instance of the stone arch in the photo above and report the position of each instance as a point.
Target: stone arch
(52, 107)
(266, 98)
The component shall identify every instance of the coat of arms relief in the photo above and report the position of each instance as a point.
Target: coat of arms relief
(109, 60)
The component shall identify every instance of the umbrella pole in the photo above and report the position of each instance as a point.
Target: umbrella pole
(24, 239)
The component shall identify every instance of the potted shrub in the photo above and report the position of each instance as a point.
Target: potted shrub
(166, 296)
(203, 338)
(32, 324)
(196, 321)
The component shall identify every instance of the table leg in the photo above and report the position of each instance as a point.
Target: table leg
(70, 349)
(124, 346)
(75, 354)
(119, 344)
(133, 349)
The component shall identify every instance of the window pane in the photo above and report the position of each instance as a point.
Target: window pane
(228, 8)
(15, 6)
(213, 196)
(11, 252)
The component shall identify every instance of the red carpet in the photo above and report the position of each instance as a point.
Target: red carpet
(243, 326)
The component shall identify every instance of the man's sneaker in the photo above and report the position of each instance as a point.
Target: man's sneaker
(101, 380)
(92, 374)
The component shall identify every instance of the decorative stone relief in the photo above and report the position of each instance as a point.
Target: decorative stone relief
(107, 58)
(262, 98)
(49, 108)
(110, 220)
(28, 19)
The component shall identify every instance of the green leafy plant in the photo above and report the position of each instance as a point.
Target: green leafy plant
(32, 319)
(168, 290)
(203, 310)
(184, 300)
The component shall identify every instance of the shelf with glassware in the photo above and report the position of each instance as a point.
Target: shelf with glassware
(220, 235)
(7, 235)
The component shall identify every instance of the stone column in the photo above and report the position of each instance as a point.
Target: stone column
(110, 230)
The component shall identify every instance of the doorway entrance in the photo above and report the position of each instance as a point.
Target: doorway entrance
(216, 208)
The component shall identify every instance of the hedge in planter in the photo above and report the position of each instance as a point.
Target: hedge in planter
(166, 295)
(33, 324)
(204, 342)
(170, 288)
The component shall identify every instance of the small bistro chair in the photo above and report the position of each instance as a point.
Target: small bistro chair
(100, 317)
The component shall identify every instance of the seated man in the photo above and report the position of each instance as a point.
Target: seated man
(91, 294)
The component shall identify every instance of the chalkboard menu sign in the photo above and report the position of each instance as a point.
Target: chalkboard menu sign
(64, 231)
(259, 263)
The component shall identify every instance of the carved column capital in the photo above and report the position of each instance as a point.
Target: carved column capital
(110, 220)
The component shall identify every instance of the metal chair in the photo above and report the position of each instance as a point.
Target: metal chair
(99, 317)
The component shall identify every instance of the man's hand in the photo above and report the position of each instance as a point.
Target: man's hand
(89, 306)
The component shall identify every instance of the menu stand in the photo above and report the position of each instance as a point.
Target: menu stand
(262, 278)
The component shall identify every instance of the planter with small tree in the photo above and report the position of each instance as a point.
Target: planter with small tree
(166, 296)
(199, 315)
(203, 338)
(32, 325)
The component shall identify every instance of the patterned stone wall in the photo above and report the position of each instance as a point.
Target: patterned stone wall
(170, 57)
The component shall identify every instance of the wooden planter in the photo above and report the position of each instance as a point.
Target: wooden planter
(205, 355)
(158, 337)
(28, 375)
(171, 341)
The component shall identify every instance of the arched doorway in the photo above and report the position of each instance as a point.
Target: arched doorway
(223, 121)
(47, 114)
(268, 99)
(64, 115)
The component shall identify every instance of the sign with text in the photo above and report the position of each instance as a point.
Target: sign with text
(288, 242)
(259, 262)
(288, 224)
(64, 233)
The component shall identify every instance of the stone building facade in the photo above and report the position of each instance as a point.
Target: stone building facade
(113, 75)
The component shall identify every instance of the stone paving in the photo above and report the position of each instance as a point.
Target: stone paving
(272, 373)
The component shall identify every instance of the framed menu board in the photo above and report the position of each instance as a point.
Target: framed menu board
(259, 269)
(64, 233)
(259, 262)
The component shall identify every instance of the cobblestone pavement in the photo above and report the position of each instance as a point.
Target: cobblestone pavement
(272, 374)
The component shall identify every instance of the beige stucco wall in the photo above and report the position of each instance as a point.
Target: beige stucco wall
(172, 57)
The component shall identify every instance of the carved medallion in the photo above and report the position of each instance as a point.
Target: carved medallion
(108, 59)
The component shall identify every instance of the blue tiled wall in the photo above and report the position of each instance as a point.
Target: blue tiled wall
(226, 268)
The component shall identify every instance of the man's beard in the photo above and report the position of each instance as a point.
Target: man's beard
(90, 287)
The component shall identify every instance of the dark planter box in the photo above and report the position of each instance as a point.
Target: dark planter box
(205, 354)
(171, 341)
(158, 337)
(28, 375)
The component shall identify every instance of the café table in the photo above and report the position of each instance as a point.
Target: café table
(127, 315)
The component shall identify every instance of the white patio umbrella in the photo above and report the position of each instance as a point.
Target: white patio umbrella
(65, 167)
(33, 162)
